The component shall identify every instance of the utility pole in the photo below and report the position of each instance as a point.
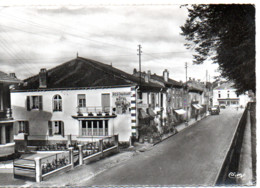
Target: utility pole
(186, 67)
(186, 92)
(140, 71)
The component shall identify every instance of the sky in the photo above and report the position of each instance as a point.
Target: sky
(35, 37)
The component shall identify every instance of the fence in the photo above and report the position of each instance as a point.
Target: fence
(55, 161)
(43, 167)
(231, 162)
(24, 169)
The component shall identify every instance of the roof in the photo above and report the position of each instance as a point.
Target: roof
(8, 79)
(83, 72)
(160, 79)
(170, 82)
(225, 85)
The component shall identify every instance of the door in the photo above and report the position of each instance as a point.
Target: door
(105, 100)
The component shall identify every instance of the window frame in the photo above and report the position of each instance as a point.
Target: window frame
(57, 103)
(24, 125)
(34, 102)
(52, 128)
(81, 101)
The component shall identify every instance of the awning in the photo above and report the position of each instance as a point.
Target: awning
(151, 112)
(196, 106)
(143, 114)
(199, 106)
(180, 111)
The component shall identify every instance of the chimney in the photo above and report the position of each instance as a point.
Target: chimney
(149, 74)
(166, 75)
(43, 78)
(12, 75)
(146, 78)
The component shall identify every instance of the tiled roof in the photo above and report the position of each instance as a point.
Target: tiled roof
(169, 82)
(226, 85)
(6, 78)
(82, 72)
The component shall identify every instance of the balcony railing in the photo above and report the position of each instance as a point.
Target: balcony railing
(6, 114)
(95, 109)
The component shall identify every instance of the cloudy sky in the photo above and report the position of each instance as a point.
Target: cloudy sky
(34, 37)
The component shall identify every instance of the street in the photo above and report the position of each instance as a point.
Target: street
(193, 157)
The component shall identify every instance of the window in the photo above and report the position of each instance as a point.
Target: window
(56, 128)
(57, 103)
(94, 128)
(219, 95)
(81, 100)
(153, 100)
(34, 102)
(227, 94)
(23, 127)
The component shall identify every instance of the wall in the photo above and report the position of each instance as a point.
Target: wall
(38, 119)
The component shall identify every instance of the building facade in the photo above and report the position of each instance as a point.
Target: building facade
(7, 145)
(225, 94)
(79, 101)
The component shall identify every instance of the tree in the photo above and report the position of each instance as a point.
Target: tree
(226, 35)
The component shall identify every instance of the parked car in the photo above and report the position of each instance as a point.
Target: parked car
(222, 106)
(215, 110)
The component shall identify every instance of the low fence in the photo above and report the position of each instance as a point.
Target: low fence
(55, 161)
(231, 163)
(24, 169)
(44, 167)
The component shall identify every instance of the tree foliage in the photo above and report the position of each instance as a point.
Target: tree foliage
(225, 34)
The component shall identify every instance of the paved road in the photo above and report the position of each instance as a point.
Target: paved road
(193, 157)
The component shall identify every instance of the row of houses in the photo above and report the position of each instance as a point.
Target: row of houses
(84, 100)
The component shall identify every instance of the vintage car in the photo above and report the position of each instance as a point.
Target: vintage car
(215, 110)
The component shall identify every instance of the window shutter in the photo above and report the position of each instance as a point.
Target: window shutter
(28, 104)
(16, 127)
(40, 102)
(27, 127)
(62, 128)
(50, 128)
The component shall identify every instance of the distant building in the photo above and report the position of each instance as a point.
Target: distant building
(197, 98)
(7, 145)
(225, 94)
(81, 100)
(172, 97)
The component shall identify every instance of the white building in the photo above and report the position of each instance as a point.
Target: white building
(225, 94)
(7, 145)
(81, 100)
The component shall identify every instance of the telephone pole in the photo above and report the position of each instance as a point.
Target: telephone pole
(140, 71)
(186, 67)
(186, 93)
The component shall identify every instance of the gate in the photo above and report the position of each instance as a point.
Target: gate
(24, 169)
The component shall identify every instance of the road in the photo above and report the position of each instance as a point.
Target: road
(192, 157)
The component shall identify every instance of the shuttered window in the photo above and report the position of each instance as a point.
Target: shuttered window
(34, 102)
(56, 128)
(23, 127)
